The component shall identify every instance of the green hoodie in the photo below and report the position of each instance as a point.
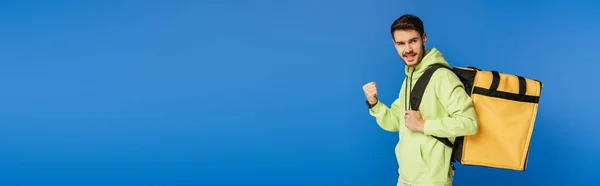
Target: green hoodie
(447, 111)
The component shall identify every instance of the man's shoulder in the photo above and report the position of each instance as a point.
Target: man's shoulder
(444, 73)
(444, 77)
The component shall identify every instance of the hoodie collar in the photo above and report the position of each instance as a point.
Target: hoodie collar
(432, 56)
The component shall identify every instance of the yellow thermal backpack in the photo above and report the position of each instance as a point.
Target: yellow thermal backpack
(506, 106)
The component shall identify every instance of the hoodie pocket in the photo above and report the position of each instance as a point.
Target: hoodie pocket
(412, 165)
(423, 159)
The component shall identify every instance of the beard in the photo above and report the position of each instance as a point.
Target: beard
(418, 59)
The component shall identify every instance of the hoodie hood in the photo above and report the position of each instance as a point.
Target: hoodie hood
(432, 57)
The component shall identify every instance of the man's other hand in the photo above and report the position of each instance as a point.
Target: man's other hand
(413, 120)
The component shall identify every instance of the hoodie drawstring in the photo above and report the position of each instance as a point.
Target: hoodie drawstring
(407, 92)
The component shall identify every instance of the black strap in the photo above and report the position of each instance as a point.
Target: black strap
(418, 90)
(495, 81)
(522, 85)
(445, 141)
(473, 67)
(416, 94)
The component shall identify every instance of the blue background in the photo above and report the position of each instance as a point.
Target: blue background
(269, 92)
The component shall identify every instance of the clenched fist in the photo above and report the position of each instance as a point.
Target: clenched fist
(370, 92)
(414, 121)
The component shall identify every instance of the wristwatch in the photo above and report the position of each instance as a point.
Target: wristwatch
(371, 105)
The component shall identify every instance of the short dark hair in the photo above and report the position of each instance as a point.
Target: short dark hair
(408, 22)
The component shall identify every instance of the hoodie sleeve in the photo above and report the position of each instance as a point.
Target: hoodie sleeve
(462, 119)
(387, 118)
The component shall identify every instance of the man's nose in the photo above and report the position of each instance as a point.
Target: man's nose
(408, 49)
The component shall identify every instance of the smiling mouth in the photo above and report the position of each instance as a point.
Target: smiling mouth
(410, 57)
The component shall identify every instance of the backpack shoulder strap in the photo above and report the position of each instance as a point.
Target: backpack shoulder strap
(418, 90)
(416, 95)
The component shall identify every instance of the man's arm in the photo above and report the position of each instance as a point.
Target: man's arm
(451, 93)
(387, 118)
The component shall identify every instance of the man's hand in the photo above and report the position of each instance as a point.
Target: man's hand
(413, 121)
(370, 92)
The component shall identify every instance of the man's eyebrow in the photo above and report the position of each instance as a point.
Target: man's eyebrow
(414, 38)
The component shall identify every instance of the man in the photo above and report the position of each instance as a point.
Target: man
(446, 110)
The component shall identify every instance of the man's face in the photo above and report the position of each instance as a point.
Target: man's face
(410, 46)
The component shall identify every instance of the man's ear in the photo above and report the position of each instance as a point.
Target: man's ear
(424, 38)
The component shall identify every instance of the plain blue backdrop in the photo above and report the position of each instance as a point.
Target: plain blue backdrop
(269, 92)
